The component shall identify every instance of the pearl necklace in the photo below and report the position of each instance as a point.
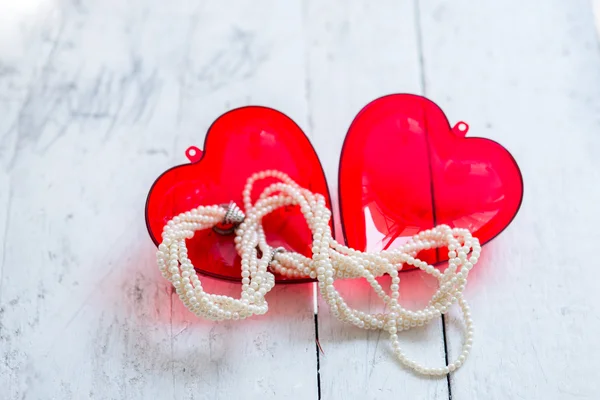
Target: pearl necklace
(330, 260)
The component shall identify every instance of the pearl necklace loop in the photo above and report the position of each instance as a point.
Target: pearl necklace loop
(330, 260)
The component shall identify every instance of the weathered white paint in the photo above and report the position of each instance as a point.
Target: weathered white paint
(528, 75)
(357, 53)
(98, 97)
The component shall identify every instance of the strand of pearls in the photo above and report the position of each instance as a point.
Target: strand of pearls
(330, 260)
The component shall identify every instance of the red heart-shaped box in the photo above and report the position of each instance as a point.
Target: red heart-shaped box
(238, 144)
(403, 169)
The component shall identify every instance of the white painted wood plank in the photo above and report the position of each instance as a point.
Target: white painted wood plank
(4, 215)
(527, 74)
(272, 356)
(358, 51)
(98, 98)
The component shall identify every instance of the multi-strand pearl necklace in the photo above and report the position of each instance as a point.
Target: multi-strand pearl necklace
(330, 260)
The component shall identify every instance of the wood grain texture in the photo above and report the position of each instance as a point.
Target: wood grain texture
(528, 75)
(357, 52)
(98, 98)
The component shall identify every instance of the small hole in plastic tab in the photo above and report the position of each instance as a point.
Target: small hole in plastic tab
(461, 128)
(193, 154)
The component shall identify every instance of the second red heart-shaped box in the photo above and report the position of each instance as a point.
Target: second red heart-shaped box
(403, 169)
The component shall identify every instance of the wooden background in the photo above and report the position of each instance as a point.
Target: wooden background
(98, 97)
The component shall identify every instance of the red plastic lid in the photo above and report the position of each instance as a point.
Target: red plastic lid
(404, 169)
(238, 144)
